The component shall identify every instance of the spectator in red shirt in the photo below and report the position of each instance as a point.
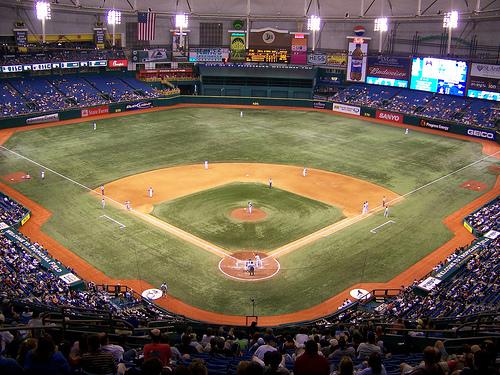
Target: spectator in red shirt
(157, 349)
(311, 363)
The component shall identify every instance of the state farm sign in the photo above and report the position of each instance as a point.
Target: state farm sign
(117, 63)
(390, 116)
(94, 111)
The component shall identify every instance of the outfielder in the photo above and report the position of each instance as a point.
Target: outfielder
(206, 164)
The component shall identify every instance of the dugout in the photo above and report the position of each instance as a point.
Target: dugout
(296, 82)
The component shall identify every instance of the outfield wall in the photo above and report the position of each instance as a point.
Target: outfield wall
(395, 117)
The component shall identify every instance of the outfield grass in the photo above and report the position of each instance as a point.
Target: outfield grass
(206, 215)
(136, 143)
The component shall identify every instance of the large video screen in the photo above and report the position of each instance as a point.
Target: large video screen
(386, 81)
(438, 75)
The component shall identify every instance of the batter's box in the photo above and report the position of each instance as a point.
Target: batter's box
(474, 185)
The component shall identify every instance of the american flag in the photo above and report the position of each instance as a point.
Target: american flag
(146, 25)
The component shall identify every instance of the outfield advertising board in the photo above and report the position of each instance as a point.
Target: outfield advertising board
(389, 116)
(453, 128)
(139, 105)
(388, 71)
(42, 119)
(95, 111)
(344, 108)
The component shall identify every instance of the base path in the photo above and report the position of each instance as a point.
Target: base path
(347, 193)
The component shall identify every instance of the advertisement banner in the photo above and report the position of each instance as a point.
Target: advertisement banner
(25, 219)
(299, 49)
(157, 54)
(389, 67)
(180, 47)
(429, 284)
(21, 37)
(43, 119)
(349, 109)
(467, 226)
(337, 60)
(95, 111)
(12, 69)
(456, 129)
(455, 264)
(208, 54)
(237, 47)
(46, 261)
(477, 133)
(269, 38)
(433, 125)
(485, 70)
(316, 59)
(389, 116)
(99, 37)
(117, 63)
(140, 105)
(356, 62)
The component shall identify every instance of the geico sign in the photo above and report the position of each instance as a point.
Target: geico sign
(480, 134)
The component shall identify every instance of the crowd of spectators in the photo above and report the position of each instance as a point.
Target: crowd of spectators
(465, 111)
(486, 218)
(11, 212)
(41, 94)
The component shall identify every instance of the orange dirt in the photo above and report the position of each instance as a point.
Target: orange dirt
(454, 222)
(495, 169)
(14, 178)
(474, 185)
(241, 214)
(234, 266)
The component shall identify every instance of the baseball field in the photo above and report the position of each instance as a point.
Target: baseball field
(195, 232)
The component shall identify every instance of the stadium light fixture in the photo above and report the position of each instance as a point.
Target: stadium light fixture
(450, 22)
(114, 18)
(181, 22)
(43, 13)
(381, 25)
(314, 24)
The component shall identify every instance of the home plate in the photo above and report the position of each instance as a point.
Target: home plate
(360, 294)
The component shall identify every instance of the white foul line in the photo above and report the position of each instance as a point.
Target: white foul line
(374, 230)
(113, 220)
(172, 229)
(284, 248)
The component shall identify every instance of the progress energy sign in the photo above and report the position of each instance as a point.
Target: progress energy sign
(388, 71)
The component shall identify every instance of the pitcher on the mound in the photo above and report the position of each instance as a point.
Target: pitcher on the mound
(250, 208)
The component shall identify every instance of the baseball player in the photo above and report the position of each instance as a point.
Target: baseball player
(102, 189)
(127, 205)
(304, 172)
(241, 114)
(164, 288)
(258, 261)
(270, 183)
(206, 164)
(407, 131)
(386, 211)
(103, 202)
(94, 126)
(42, 174)
(384, 201)
(250, 208)
(150, 192)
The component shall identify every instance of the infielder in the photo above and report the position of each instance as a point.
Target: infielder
(150, 192)
(386, 211)
(384, 202)
(270, 183)
(206, 164)
(127, 205)
(304, 172)
(103, 202)
(102, 189)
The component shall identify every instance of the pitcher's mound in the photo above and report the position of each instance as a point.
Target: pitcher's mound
(235, 266)
(242, 214)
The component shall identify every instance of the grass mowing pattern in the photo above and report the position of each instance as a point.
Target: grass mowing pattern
(206, 215)
(136, 143)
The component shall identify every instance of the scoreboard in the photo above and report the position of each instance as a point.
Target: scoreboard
(268, 55)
